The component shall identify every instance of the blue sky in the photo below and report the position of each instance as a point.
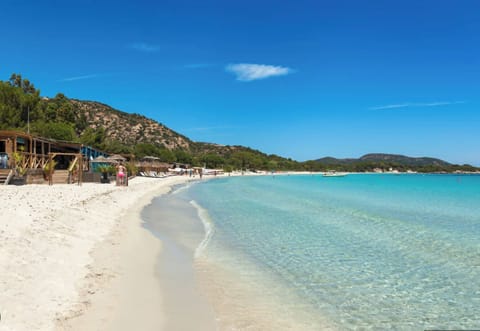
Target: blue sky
(302, 79)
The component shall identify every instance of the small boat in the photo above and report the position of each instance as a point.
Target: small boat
(334, 174)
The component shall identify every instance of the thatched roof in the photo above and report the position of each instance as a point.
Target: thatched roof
(116, 157)
(102, 159)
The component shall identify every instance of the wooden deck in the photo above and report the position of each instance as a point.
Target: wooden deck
(4, 175)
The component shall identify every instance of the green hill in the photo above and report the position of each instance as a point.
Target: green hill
(386, 158)
(404, 160)
(96, 124)
(101, 126)
(385, 162)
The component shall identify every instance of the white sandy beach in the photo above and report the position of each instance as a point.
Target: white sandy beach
(63, 249)
(72, 258)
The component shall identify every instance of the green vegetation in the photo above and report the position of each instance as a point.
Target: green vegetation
(54, 130)
(49, 166)
(406, 164)
(106, 169)
(131, 168)
(18, 158)
(95, 124)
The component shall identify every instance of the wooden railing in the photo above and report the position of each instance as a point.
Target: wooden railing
(32, 161)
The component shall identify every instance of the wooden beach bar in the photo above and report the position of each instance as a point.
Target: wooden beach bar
(30, 156)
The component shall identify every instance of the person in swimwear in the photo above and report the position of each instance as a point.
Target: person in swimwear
(121, 173)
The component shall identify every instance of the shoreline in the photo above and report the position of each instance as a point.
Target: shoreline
(64, 246)
(84, 258)
(174, 222)
(138, 281)
(57, 247)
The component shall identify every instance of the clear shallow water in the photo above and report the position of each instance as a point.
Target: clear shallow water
(358, 252)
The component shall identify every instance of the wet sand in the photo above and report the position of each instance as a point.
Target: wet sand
(139, 282)
(174, 222)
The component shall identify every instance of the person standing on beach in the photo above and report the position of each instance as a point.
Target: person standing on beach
(121, 173)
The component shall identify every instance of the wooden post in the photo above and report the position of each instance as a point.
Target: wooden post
(50, 172)
(30, 148)
(48, 165)
(80, 169)
(30, 151)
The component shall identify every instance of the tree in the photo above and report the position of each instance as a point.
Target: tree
(143, 149)
(212, 160)
(166, 155)
(10, 116)
(272, 165)
(93, 137)
(116, 147)
(58, 131)
(18, 100)
(183, 157)
(27, 87)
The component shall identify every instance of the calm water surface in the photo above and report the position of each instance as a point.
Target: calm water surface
(357, 252)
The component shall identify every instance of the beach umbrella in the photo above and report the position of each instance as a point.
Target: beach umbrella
(101, 159)
(116, 157)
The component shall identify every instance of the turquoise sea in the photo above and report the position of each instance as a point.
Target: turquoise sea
(362, 252)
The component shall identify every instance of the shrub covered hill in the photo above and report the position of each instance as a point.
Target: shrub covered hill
(369, 162)
(95, 124)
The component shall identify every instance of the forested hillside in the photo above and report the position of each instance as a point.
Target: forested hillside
(95, 124)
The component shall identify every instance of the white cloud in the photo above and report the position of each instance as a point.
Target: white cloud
(247, 72)
(70, 79)
(143, 47)
(417, 104)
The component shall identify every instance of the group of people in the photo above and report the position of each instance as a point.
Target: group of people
(192, 172)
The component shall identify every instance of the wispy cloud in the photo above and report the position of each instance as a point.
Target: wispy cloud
(144, 47)
(417, 104)
(247, 72)
(71, 79)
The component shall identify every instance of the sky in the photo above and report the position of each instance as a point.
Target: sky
(301, 79)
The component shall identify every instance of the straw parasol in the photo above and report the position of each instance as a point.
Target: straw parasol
(101, 159)
(116, 158)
